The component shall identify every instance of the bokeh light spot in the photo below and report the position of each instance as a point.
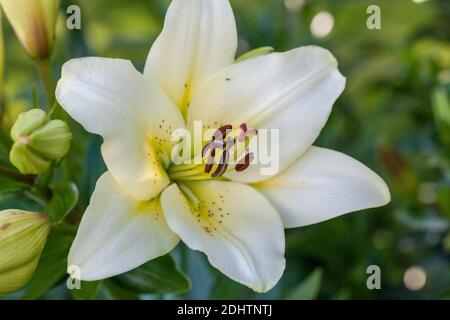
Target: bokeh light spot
(415, 278)
(322, 24)
(294, 5)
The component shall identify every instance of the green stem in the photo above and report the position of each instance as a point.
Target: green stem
(15, 176)
(44, 179)
(45, 73)
(35, 96)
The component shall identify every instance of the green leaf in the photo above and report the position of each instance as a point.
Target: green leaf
(255, 53)
(443, 201)
(88, 290)
(157, 276)
(309, 288)
(441, 110)
(227, 289)
(4, 160)
(5, 142)
(109, 290)
(53, 264)
(94, 167)
(63, 201)
(441, 106)
(57, 112)
(9, 186)
(21, 200)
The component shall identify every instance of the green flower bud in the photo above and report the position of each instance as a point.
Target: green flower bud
(34, 24)
(27, 122)
(27, 161)
(52, 140)
(22, 237)
(37, 141)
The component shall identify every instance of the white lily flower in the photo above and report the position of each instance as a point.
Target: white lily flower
(143, 205)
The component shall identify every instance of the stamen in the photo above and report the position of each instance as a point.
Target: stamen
(212, 145)
(209, 167)
(244, 163)
(222, 132)
(223, 165)
(220, 171)
(246, 132)
(217, 142)
(165, 160)
(189, 194)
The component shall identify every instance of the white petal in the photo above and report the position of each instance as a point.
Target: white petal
(234, 225)
(135, 118)
(199, 38)
(118, 234)
(321, 185)
(292, 92)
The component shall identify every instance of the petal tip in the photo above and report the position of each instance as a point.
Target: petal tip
(385, 193)
(263, 288)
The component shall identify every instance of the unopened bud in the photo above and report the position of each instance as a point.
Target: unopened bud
(34, 24)
(22, 237)
(37, 141)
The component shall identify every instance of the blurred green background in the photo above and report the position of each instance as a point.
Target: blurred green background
(394, 116)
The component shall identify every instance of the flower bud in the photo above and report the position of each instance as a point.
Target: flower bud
(27, 122)
(37, 141)
(22, 237)
(52, 140)
(2, 65)
(34, 24)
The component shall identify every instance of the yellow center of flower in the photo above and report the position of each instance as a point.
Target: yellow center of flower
(226, 150)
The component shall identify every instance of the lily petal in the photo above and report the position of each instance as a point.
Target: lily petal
(118, 234)
(292, 91)
(234, 225)
(199, 38)
(321, 185)
(135, 118)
